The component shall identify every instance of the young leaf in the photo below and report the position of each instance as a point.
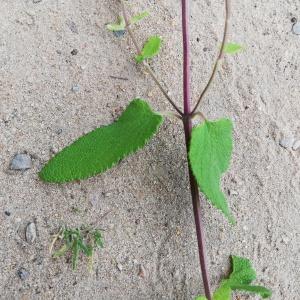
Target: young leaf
(75, 253)
(102, 148)
(62, 251)
(210, 153)
(200, 298)
(150, 49)
(98, 238)
(240, 279)
(119, 26)
(135, 19)
(232, 48)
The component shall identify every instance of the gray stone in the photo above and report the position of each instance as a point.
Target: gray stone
(23, 274)
(30, 233)
(21, 162)
(296, 145)
(119, 33)
(296, 28)
(287, 142)
(72, 26)
(76, 88)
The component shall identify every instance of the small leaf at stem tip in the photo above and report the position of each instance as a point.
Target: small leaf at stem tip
(232, 48)
(135, 19)
(104, 147)
(200, 298)
(209, 155)
(119, 26)
(150, 49)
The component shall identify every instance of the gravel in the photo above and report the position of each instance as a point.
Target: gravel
(287, 142)
(296, 28)
(30, 233)
(23, 274)
(21, 162)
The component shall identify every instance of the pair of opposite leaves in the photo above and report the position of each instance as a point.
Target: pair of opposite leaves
(101, 149)
(209, 156)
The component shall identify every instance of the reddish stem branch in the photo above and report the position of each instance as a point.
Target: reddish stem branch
(148, 68)
(221, 52)
(187, 121)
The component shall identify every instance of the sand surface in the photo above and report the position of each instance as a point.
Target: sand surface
(49, 97)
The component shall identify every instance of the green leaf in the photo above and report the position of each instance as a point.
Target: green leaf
(240, 279)
(119, 26)
(98, 238)
(242, 271)
(232, 48)
(150, 49)
(210, 153)
(135, 19)
(75, 254)
(259, 290)
(200, 298)
(223, 292)
(104, 147)
(62, 251)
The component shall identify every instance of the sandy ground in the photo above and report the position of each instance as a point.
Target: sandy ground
(49, 97)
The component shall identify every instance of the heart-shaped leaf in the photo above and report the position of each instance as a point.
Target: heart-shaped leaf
(210, 153)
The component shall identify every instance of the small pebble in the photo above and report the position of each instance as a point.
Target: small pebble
(72, 26)
(119, 33)
(287, 142)
(74, 52)
(142, 271)
(233, 193)
(296, 28)
(7, 213)
(119, 267)
(23, 274)
(296, 145)
(30, 233)
(285, 239)
(76, 88)
(21, 162)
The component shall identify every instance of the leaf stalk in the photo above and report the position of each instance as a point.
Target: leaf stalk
(146, 65)
(219, 58)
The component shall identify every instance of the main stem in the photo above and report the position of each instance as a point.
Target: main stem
(187, 121)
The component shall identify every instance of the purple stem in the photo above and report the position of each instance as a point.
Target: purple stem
(187, 121)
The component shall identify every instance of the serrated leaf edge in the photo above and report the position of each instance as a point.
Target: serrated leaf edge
(114, 163)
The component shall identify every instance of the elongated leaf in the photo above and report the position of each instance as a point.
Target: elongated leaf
(75, 254)
(259, 290)
(102, 148)
(200, 298)
(139, 17)
(119, 26)
(232, 48)
(98, 238)
(210, 153)
(150, 49)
